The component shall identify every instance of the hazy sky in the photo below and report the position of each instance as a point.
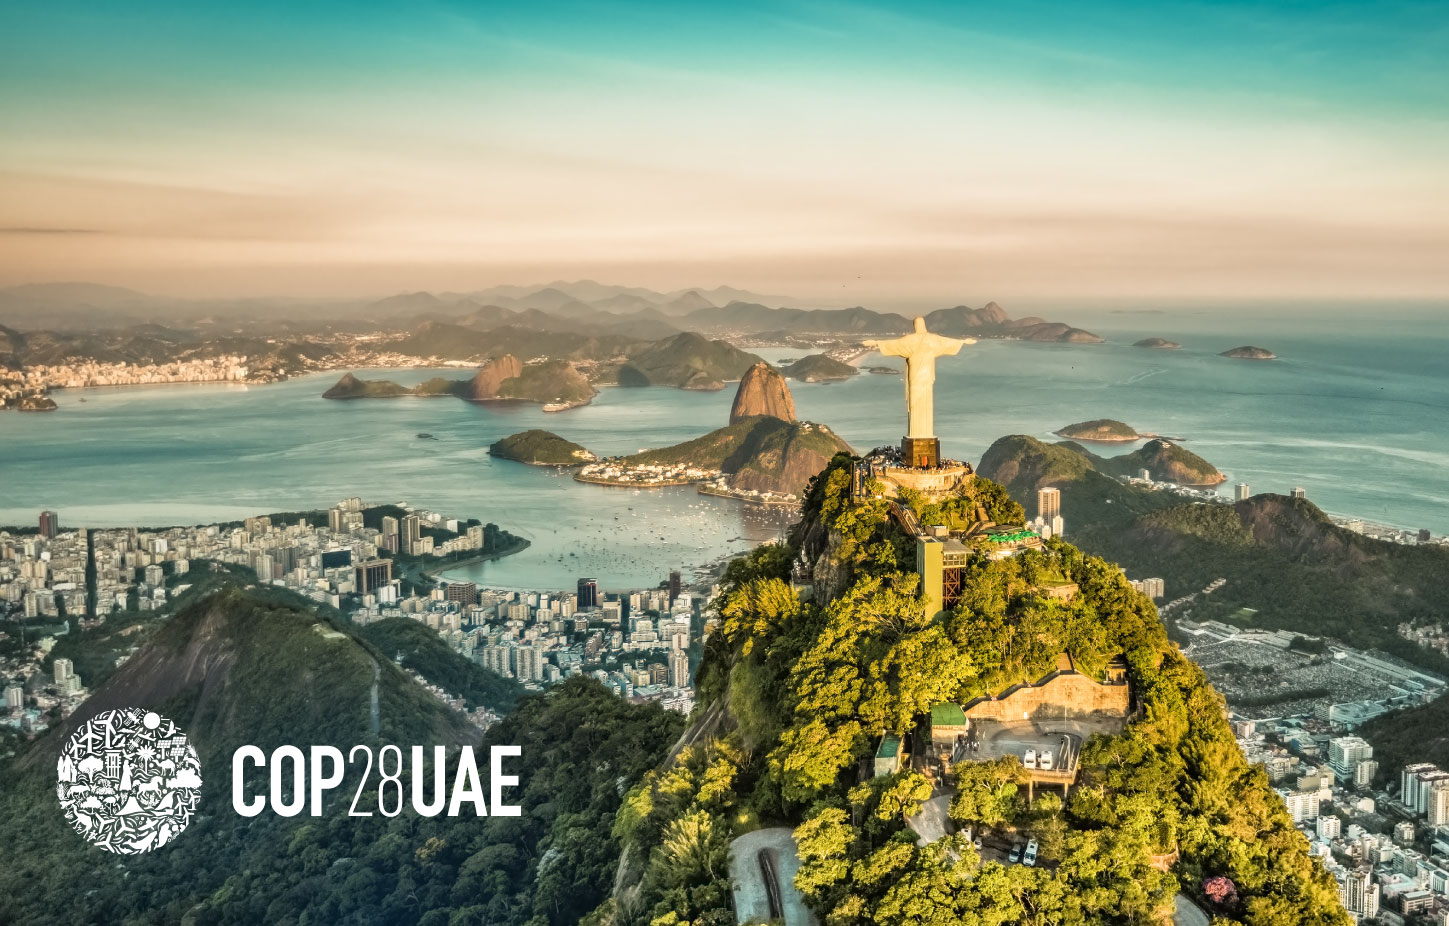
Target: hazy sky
(844, 151)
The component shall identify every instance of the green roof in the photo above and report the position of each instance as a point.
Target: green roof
(1010, 535)
(890, 747)
(947, 714)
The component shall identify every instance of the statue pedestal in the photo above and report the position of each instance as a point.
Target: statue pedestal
(921, 452)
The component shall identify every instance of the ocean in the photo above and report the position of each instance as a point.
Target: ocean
(1356, 411)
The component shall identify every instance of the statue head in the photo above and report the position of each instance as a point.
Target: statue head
(920, 325)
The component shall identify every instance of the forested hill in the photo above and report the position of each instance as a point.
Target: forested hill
(1283, 558)
(255, 665)
(796, 691)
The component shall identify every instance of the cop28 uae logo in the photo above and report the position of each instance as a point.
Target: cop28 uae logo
(129, 781)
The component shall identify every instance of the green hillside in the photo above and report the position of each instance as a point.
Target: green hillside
(686, 360)
(540, 448)
(424, 652)
(762, 452)
(796, 692)
(239, 664)
(819, 368)
(1282, 557)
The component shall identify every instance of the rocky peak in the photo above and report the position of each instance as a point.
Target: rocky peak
(763, 392)
(485, 384)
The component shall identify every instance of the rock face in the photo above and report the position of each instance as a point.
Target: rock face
(485, 384)
(1248, 352)
(763, 392)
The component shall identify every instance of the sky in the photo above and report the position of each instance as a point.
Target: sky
(846, 153)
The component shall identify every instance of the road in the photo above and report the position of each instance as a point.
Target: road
(756, 857)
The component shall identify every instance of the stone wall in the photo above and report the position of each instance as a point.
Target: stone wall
(1068, 694)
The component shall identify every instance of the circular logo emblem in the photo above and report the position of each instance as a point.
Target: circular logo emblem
(128, 781)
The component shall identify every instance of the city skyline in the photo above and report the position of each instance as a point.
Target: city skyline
(847, 153)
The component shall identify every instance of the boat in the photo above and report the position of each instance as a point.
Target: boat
(424, 435)
(556, 406)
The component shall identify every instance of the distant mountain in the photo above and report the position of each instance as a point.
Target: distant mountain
(762, 391)
(407, 303)
(1158, 344)
(1166, 462)
(686, 360)
(819, 368)
(67, 295)
(685, 303)
(553, 382)
(1023, 463)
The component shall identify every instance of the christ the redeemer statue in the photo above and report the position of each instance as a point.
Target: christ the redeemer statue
(920, 348)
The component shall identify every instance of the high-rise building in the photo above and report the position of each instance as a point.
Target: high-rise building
(64, 669)
(412, 532)
(676, 585)
(1436, 807)
(1365, 772)
(529, 661)
(390, 533)
(588, 593)
(679, 670)
(14, 698)
(1299, 492)
(49, 524)
(1048, 504)
(465, 593)
(334, 519)
(1360, 893)
(1242, 492)
(1346, 752)
(1329, 828)
(372, 574)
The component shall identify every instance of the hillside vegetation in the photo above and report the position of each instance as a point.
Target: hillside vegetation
(540, 448)
(795, 693)
(1281, 556)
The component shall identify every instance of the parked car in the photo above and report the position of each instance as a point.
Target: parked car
(1014, 855)
(1029, 857)
(1030, 758)
(1044, 760)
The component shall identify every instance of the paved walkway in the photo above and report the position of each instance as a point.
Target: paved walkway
(752, 893)
(1188, 913)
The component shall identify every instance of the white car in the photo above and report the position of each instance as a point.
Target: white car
(1029, 858)
(1045, 759)
(1014, 855)
(1030, 758)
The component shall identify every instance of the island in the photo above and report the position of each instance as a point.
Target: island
(1101, 430)
(537, 447)
(555, 384)
(819, 368)
(1158, 344)
(1248, 352)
